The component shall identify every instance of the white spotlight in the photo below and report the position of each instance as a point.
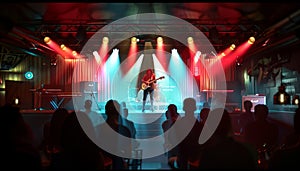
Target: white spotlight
(174, 51)
(197, 56)
(115, 50)
(97, 57)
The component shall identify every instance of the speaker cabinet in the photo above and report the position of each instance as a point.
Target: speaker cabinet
(255, 99)
(89, 87)
(89, 90)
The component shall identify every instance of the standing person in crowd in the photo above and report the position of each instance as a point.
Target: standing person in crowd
(222, 151)
(111, 130)
(293, 138)
(52, 137)
(288, 157)
(126, 122)
(93, 115)
(18, 150)
(189, 146)
(262, 134)
(171, 117)
(79, 152)
(246, 116)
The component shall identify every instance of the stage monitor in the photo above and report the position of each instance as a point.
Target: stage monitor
(255, 99)
(89, 87)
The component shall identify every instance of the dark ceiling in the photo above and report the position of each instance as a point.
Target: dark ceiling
(23, 26)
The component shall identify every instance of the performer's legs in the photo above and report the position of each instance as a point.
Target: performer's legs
(144, 103)
(151, 98)
(144, 99)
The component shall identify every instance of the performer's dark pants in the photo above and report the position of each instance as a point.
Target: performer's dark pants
(147, 91)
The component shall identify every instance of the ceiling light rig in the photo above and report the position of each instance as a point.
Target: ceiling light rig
(251, 40)
(81, 33)
(134, 40)
(232, 47)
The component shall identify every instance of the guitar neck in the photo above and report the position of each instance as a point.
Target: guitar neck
(153, 80)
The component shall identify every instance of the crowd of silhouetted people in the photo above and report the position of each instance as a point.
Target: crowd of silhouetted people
(75, 139)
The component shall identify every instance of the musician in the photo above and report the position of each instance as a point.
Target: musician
(149, 80)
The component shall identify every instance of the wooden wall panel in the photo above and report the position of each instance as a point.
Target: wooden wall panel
(20, 90)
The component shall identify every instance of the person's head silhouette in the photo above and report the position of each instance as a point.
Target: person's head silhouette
(189, 105)
(248, 105)
(261, 112)
(88, 104)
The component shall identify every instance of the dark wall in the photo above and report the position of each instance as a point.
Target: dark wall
(20, 90)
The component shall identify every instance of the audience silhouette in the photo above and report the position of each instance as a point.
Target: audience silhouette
(171, 116)
(203, 115)
(222, 151)
(131, 126)
(69, 146)
(262, 134)
(52, 137)
(246, 116)
(294, 137)
(94, 116)
(79, 152)
(189, 146)
(17, 138)
(288, 157)
(126, 122)
(114, 122)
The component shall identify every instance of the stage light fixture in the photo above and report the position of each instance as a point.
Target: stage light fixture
(63, 47)
(159, 40)
(190, 40)
(47, 40)
(75, 54)
(232, 47)
(28, 75)
(134, 40)
(17, 101)
(105, 40)
(251, 40)
(281, 97)
(295, 100)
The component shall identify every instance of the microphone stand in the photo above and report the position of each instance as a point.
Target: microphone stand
(93, 96)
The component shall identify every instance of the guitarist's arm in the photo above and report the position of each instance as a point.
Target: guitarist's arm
(153, 78)
(153, 81)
